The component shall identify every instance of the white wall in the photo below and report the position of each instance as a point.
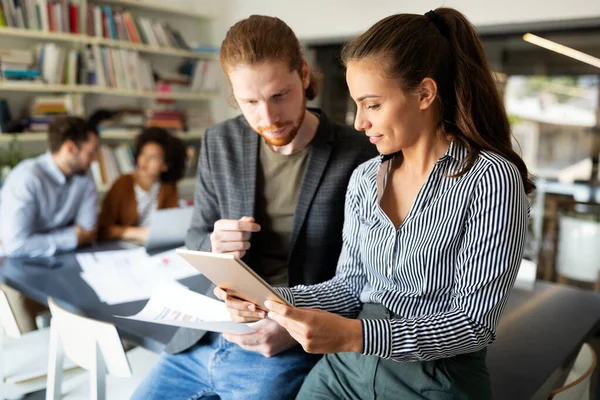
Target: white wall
(324, 19)
(331, 20)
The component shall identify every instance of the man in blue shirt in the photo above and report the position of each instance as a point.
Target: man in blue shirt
(48, 203)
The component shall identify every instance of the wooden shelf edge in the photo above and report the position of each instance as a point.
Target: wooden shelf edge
(59, 88)
(79, 38)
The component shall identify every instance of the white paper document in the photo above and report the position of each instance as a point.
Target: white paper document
(178, 306)
(122, 276)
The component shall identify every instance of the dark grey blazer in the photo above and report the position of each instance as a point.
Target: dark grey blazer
(226, 189)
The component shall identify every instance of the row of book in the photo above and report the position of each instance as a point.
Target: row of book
(118, 68)
(114, 161)
(117, 24)
(44, 109)
(41, 15)
(49, 63)
(102, 66)
(101, 21)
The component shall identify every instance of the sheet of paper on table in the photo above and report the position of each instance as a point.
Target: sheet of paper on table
(122, 276)
(178, 306)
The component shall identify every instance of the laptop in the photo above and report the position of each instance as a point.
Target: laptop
(168, 227)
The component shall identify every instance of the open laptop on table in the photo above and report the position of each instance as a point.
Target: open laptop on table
(168, 227)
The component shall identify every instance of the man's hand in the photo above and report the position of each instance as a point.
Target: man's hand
(233, 236)
(269, 339)
(85, 238)
(318, 331)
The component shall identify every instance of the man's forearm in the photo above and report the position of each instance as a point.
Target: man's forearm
(42, 244)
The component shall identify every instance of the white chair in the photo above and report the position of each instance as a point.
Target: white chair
(527, 275)
(578, 250)
(577, 384)
(96, 347)
(23, 357)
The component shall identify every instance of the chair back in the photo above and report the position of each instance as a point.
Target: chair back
(93, 345)
(79, 337)
(578, 381)
(8, 322)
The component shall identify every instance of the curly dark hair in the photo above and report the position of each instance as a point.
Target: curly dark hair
(173, 147)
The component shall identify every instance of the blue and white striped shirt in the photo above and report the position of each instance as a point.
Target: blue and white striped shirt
(445, 274)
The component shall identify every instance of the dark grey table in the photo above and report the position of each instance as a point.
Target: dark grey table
(65, 285)
(538, 337)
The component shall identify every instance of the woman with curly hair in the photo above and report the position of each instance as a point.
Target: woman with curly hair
(128, 205)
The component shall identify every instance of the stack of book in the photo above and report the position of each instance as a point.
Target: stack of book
(18, 65)
(173, 82)
(118, 24)
(41, 15)
(44, 109)
(165, 119)
(164, 114)
(198, 118)
(126, 123)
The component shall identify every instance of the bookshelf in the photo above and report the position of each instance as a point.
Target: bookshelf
(128, 26)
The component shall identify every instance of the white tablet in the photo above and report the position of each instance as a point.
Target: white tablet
(232, 274)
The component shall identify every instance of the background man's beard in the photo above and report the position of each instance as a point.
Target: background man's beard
(81, 172)
(77, 169)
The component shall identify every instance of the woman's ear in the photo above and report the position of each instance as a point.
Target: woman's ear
(427, 93)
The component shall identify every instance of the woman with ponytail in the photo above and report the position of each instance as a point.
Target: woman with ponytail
(434, 228)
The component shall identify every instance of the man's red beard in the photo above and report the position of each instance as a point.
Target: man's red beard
(286, 138)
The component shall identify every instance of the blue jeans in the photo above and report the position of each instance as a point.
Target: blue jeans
(215, 368)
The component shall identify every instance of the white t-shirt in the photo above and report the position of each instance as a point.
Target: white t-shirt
(146, 203)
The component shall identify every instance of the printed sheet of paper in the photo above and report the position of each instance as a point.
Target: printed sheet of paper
(122, 276)
(178, 306)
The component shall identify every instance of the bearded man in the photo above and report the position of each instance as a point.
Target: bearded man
(48, 205)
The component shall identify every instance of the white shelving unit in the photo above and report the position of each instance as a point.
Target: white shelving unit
(161, 55)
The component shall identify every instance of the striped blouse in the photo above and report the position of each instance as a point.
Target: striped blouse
(445, 274)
